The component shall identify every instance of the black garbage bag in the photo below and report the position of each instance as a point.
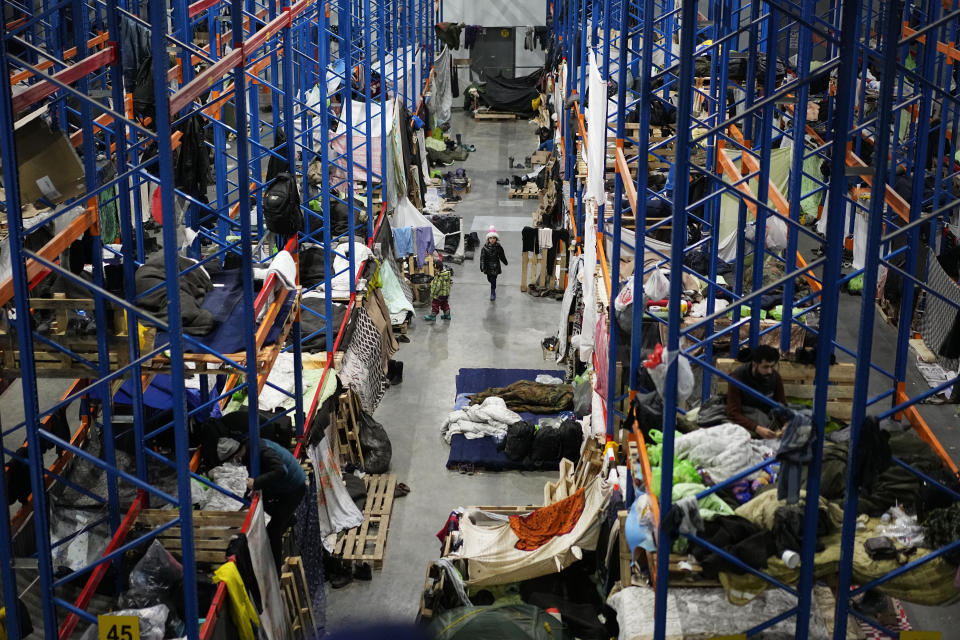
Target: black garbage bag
(571, 439)
(547, 447)
(156, 579)
(519, 441)
(375, 445)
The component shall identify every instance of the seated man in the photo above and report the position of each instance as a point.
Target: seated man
(759, 374)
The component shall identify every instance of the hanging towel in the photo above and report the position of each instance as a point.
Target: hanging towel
(545, 237)
(403, 238)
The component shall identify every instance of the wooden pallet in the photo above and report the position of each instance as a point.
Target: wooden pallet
(212, 531)
(493, 115)
(380, 490)
(402, 328)
(798, 382)
(296, 596)
(523, 194)
(365, 543)
(348, 430)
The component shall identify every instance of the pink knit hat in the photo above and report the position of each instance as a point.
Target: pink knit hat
(492, 233)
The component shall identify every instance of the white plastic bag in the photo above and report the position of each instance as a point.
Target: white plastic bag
(625, 298)
(657, 286)
(776, 233)
(657, 368)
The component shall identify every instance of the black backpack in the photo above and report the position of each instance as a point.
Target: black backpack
(281, 206)
(144, 101)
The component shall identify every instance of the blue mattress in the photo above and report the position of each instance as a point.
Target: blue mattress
(224, 301)
(481, 453)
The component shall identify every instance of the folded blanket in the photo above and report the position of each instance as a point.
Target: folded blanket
(491, 418)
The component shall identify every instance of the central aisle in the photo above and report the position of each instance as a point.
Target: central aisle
(502, 334)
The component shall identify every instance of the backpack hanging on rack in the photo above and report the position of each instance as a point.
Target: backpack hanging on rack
(281, 206)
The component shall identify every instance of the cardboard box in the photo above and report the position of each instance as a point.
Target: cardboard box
(540, 157)
(48, 165)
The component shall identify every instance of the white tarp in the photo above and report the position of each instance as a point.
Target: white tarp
(596, 132)
(274, 620)
(337, 511)
(406, 215)
(493, 558)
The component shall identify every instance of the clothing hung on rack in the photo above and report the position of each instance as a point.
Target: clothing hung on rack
(424, 242)
(545, 238)
(403, 238)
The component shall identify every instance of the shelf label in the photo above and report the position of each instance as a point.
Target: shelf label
(119, 627)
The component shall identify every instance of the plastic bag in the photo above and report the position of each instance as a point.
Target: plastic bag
(545, 379)
(656, 366)
(657, 286)
(152, 622)
(624, 299)
(375, 444)
(776, 233)
(157, 570)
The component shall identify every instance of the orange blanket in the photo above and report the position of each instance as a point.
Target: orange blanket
(536, 529)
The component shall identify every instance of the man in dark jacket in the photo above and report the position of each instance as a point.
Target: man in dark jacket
(282, 484)
(759, 374)
(490, 258)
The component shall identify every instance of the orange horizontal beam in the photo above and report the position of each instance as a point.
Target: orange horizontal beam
(57, 245)
(780, 203)
(948, 49)
(923, 430)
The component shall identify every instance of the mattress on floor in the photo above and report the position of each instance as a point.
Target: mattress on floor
(481, 453)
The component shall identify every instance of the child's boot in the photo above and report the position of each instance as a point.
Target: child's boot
(430, 317)
(446, 316)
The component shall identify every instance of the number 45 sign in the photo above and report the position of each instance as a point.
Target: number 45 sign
(119, 627)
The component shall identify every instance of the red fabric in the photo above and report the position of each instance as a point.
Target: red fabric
(538, 528)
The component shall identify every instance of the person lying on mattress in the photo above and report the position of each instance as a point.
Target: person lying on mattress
(760, 374)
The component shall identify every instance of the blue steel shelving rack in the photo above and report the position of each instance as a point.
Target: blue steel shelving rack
(850, 40)
(250, 47)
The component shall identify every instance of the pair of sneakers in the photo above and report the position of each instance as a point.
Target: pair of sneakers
(430, 317)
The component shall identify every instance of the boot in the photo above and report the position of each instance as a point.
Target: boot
(446, 316)
(430, 317)
(459, 140)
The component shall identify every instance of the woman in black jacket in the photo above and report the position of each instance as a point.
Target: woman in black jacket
(490, 258)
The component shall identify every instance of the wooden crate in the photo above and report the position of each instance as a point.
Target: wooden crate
(365, 543)
(212, 531)
(798, 382)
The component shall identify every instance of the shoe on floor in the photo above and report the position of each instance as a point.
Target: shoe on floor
(503, 181)
(493, 296)
(445, 316)
(430, 317)
(363, 571)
